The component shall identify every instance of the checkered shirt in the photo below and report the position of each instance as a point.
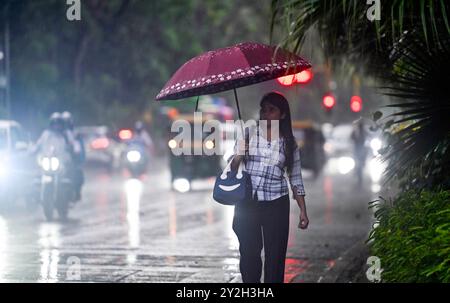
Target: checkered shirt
(265, 164)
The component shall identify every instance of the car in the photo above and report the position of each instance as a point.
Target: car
(186, 167)
(339, 143)
(16, 164)
(101, 147)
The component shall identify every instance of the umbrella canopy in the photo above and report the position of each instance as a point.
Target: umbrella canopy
(229, 68)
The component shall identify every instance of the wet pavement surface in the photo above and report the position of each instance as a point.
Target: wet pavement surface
(129, 230)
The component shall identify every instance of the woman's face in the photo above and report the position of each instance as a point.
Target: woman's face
(270, 112)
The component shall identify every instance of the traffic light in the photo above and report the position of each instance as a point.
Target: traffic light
(329, 101)
(356, 104)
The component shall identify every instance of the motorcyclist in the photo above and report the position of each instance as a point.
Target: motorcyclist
(53, 140)
(78, 153)
(141, 136)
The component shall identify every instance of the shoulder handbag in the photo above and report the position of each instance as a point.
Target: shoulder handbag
(233, 187)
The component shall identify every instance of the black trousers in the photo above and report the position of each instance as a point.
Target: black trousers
(259, 224)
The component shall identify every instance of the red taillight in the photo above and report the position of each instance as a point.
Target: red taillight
(125, 134)
(286, 80)
(328, 101)
(304, 76)
(356, 104)
(100, 143)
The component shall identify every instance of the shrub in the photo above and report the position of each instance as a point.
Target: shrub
(411, 237)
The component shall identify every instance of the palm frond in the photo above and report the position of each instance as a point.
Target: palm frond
(343, 24)
(425, 108)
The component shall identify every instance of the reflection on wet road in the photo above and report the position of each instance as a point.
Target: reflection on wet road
(138, 230)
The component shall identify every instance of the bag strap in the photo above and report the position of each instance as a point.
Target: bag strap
(227, 169)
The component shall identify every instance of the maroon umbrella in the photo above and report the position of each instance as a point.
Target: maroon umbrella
(229, 68)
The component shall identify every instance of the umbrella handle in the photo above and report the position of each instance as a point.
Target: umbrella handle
(240, 120)
(237, 103)
(196, 103)
(238, 109)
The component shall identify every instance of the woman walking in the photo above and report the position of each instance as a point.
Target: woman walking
(263, 222)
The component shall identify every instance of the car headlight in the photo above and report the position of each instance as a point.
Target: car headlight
(345, 165)
(181, 185)
(209, 144)
(134, 156)
(376, 145)
(172, 143)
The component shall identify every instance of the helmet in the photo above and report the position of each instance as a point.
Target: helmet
(56, 122)
(67, 119)
(139, 126)
(55, 117)
(66, 116)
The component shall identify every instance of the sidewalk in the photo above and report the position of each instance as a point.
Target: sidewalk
(350, 267)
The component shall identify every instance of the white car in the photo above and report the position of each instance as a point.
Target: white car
(15, 162)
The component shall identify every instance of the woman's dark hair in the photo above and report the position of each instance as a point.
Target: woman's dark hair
(277, 99)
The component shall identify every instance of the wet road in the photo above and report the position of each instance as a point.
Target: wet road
(127, 230)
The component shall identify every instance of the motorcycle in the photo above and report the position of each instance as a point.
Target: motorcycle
(136, 159)
(56, 186)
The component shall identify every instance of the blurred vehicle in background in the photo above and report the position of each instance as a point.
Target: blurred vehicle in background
(136, 159)
(136, 154)
(16, 169)
(339, 143)
(217, 107)
(340, 147)
(184, 168)
(310, 140)
(101, 146)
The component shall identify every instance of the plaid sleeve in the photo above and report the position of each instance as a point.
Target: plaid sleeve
(295, 177)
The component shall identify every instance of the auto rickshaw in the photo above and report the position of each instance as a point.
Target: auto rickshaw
(188, 166)
(310, 140)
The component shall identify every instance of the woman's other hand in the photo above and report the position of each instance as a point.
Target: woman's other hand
(304, 221)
